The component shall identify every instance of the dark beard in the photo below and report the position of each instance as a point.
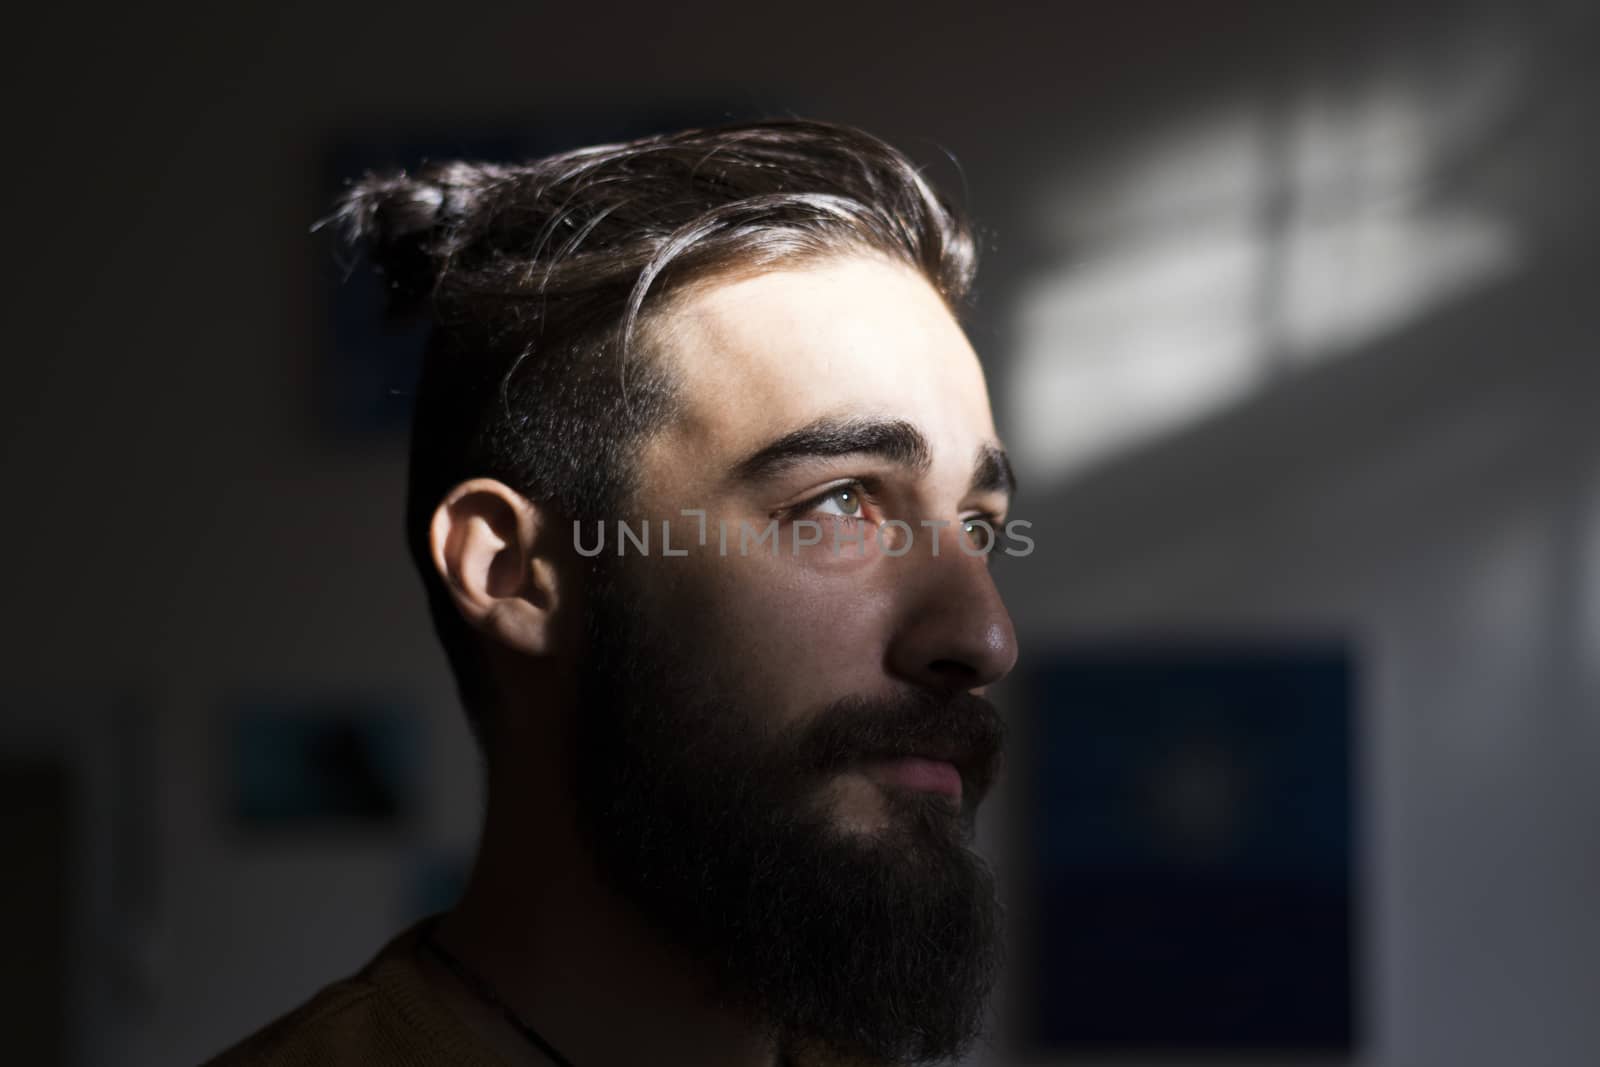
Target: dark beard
(881, 944)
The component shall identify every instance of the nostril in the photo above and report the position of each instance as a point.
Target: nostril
(954, 672)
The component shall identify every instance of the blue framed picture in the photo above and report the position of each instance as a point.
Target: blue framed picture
(1192, 837)
(318, 763)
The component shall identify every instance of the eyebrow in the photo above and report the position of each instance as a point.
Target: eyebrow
(895, 440)
(992, 473)
(892, 439)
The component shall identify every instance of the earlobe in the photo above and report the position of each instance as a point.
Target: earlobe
(484, 540)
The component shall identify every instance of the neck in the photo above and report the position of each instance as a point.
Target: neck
(576, 962)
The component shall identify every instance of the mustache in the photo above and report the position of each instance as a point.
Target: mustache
(960, 728)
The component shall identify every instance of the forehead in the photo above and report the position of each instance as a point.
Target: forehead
(852, 335)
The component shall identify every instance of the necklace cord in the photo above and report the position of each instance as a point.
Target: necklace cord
(480, 988)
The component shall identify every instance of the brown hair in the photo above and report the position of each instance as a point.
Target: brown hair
(538, 278)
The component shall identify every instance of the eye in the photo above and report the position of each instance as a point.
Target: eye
(848, 501)
(981, 531)
(842, 500)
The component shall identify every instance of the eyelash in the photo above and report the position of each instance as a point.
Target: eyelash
(863, 488)
(858, 486)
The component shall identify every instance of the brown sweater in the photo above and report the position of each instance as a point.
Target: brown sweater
(383, 1014)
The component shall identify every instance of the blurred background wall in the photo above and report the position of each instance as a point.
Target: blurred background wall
(1290, 323)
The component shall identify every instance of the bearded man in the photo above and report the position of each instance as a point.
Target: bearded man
(733, 753)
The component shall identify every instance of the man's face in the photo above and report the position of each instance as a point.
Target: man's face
(781, 748)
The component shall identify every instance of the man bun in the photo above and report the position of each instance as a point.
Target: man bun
(407, 224)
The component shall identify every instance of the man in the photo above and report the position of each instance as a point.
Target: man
(733, 752)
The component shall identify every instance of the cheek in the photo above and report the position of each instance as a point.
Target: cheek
(822, 542)
(830, 545)
(791, 633)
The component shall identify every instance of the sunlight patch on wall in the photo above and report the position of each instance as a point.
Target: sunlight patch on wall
(1115, 351)
(1199, 264)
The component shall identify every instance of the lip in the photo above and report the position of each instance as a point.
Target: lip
(920, 774)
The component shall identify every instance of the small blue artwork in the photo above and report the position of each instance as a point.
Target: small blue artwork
(303, 764)
(1193, 841)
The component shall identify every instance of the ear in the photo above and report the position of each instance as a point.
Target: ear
(492, 547)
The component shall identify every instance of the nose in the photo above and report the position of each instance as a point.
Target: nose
(954, 631)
